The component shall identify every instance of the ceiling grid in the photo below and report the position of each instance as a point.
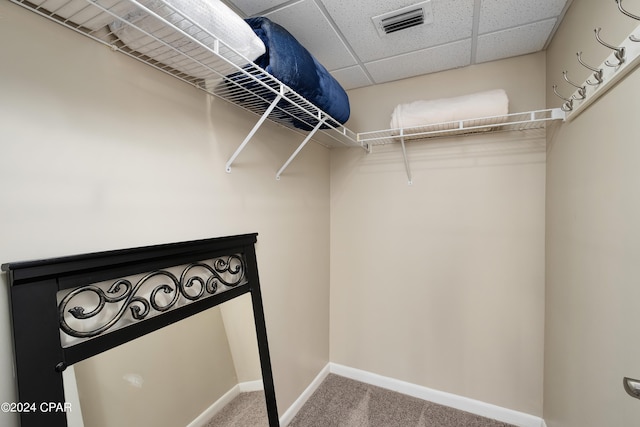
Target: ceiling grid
(343, 37)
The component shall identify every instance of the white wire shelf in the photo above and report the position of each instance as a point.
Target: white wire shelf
(173, 43)
(511, 122)
(178, 46)
(530, 120)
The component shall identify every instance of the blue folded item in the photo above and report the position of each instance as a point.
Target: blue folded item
(290, 62)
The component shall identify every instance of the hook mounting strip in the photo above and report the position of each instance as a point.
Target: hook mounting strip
(622, 60)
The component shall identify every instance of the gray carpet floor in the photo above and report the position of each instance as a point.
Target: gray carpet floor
(342, 402)
(246, 410)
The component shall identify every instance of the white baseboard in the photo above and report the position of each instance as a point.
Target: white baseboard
(477, 407)
(248, 386)
(202, 419)
(286, 418)
(473, 406)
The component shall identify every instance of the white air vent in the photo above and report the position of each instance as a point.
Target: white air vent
(401, 19)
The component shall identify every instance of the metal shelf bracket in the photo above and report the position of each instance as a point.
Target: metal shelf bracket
(406, 159)
(255, 128)
(300, 147)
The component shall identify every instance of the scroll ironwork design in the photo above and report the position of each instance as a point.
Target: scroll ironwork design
(196, 281)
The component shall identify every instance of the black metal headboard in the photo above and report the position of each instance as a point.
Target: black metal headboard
(187, 278)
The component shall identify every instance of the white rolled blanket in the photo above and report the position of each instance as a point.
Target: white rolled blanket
(422, 113)
(212, 15)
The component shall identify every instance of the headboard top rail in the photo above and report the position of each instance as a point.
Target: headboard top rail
(120, 261)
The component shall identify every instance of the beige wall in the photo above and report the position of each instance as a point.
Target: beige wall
(240, 332)
(372, 106)
(202, 358)
(164, 379)
(100, 152)
(593, 234)
(441, 283)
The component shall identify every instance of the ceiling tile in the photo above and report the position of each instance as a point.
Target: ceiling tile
(501, 14)
(306, 22)
(425, 61)
(351, 77)
(453, 20)
(515, 41)
(342, 36)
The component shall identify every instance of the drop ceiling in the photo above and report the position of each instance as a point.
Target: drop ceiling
(343, 37)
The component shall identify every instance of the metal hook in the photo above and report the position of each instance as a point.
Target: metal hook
(582, 90)
(597, 72)
(555, 90)
(630, 15)
(568, 105)
(618, 52)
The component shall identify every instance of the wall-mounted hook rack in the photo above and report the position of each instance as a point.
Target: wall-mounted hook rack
(622, 60)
